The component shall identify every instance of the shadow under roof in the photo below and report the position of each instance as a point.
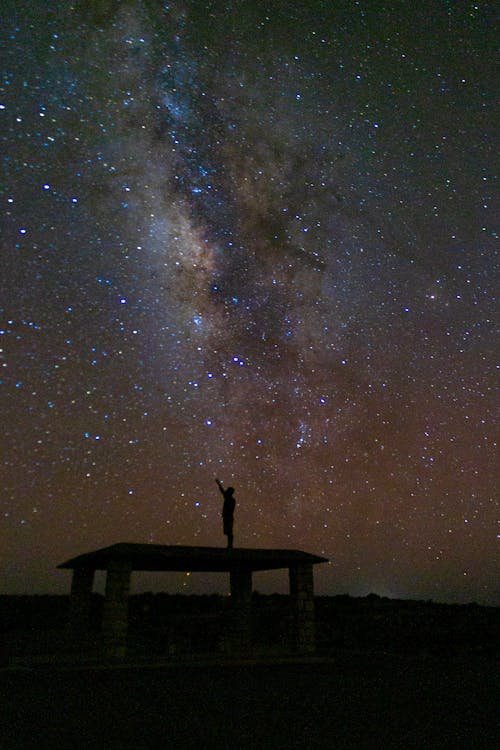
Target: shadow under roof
(164, 557)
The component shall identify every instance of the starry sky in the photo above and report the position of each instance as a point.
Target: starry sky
(253, 241)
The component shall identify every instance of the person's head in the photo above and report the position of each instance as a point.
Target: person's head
(230, 491)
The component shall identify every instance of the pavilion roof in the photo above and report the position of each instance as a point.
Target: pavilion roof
(166, 557)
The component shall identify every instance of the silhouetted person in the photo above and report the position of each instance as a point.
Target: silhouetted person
(227, 512)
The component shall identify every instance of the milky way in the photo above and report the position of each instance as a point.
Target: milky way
(252, 241)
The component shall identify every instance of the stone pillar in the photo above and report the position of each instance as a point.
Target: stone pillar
(302, 605)
(80, 601)
(240, 604)
(115, 614)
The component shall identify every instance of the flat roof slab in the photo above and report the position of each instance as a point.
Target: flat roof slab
(164, 557)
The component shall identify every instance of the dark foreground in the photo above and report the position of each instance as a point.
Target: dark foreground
(354, 701)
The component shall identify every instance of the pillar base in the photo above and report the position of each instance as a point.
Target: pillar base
(80, 601)
(303, 635)
(237, 639)
(115, 614)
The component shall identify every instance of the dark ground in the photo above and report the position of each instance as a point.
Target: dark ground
(353, 701)
(390, 674)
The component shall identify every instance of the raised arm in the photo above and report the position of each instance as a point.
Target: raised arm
(220, 485)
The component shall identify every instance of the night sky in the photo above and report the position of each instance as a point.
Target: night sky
(253, 241)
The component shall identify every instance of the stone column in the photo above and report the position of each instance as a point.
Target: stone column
(239, 626)
(80, 600)
(115, 614)
(302, 605)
